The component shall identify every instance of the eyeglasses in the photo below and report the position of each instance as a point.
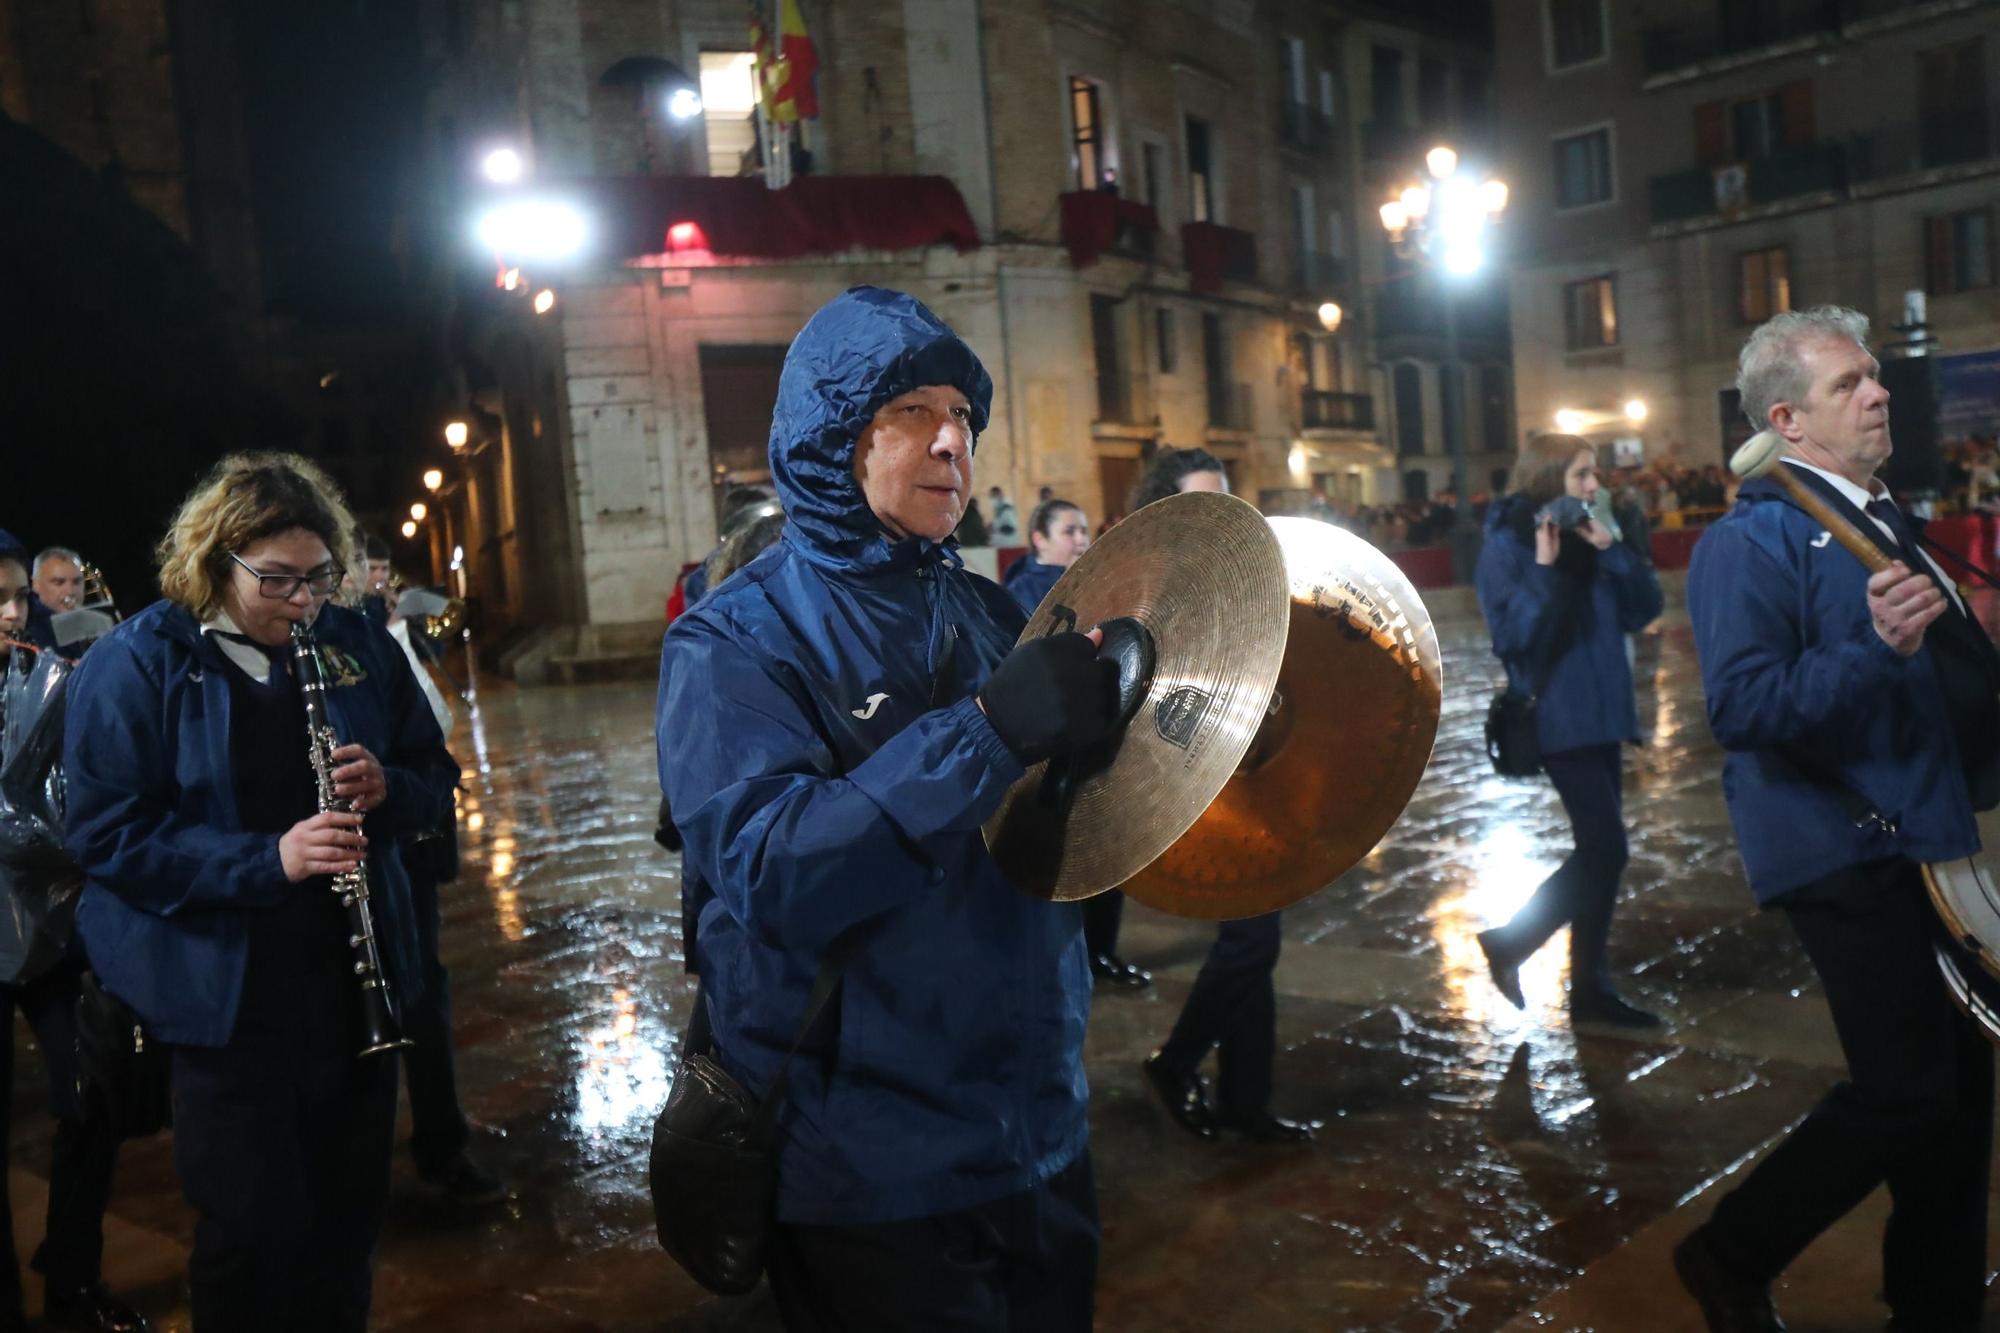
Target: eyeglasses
(283, 587)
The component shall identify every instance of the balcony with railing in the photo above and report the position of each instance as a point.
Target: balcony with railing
(1321, 409)
(1303, 126)
(1722, 192)
(1966, 139)
(1096, 222)
(1215, 254)
(1413, 310)
(1736, 28)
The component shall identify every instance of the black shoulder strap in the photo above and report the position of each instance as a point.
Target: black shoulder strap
(1955, 558)
(838, 955)
(1559, 640)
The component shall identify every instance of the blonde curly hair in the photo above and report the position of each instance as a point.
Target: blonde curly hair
(244, 499)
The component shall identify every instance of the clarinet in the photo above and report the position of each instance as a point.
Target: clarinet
(379, 1027)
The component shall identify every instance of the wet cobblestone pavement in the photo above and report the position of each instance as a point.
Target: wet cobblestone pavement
(1480, 1166)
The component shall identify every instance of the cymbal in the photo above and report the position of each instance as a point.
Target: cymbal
(1202, 573)
(1349, 735)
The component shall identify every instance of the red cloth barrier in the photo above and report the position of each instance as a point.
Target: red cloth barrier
(1967, 536)
(1092, 219)
(1426, 566)
(738, 216)
(1674, 547)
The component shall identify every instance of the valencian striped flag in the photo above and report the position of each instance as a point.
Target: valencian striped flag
(786, 74)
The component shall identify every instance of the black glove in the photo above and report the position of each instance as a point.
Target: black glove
(1052, 695)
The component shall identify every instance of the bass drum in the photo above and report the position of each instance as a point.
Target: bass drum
(1966, 894)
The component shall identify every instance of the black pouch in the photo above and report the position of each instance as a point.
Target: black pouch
(1511, 742)
(433, 854)
(123, 1074)
(713, 1170)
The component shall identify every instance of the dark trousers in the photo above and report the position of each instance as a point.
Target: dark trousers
(1100, 923)
(1233, 1006)
(282, 1138)
(1916, 1110)
(1023, 1264)
(83, 1156)
(438, 1129)
(1583, 891)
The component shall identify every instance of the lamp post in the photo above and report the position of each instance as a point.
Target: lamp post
(1440, 222)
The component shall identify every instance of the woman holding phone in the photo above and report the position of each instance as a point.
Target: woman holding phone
(1560, 591)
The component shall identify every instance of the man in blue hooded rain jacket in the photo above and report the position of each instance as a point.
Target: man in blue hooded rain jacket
(834, 725)
(1858, 713)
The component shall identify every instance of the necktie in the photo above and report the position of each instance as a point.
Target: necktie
(1906, 545)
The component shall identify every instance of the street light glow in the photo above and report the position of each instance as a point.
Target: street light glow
(1441, 162)
(1493, 196)
(1635, 411)
(1395, 217)
(1330, 315)
(533, 229)
(502, 166)
(433, 478)
(1416, 202)
(545, 300)
(1462, 259)
(684, 104)
(1569, 421)
(456, 433)
(409, 528)
(420, 511)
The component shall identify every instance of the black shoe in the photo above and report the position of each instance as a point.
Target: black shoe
(1108, 969)
(1185, 1096)
(90, 1309)
(1728, 1303)
(1263, 1127)
(465, 1181)
(1504, 968)
(1605, 1007)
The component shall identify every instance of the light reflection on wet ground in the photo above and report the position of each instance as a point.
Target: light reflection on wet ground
(1476, 1158)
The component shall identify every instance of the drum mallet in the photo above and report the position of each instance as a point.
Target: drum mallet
(1759, 457)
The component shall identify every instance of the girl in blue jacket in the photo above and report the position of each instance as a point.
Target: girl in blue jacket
(1559, 601)
(1058, 532)
(194, 813)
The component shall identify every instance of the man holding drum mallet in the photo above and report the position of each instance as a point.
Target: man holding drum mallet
(1860, 707)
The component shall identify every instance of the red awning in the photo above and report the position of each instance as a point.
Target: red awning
(738, 216)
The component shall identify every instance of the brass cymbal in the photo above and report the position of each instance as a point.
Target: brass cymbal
(1203, 574)
(1349, 736)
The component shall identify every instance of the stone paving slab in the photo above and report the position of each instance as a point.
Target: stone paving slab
(1480, 1167)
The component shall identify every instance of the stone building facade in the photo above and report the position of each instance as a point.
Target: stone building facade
(1681, 172)
(1162, 196)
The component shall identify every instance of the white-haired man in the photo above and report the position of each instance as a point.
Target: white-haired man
(1861, 715)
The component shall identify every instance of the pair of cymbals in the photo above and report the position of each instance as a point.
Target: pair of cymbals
(1293, 703)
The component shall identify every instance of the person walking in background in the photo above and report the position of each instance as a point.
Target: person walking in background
(1233, 1006)
(1058, 532)
(1559, 595)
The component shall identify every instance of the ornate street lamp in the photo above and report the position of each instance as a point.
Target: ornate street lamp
(1441, 222)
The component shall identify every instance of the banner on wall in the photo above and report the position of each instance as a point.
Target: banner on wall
(1969, 394)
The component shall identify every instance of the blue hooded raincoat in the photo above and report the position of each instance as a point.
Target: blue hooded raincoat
(827, 767)
(171, 879)
(1587, 699)
(1822, 720)
(1029, 580)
